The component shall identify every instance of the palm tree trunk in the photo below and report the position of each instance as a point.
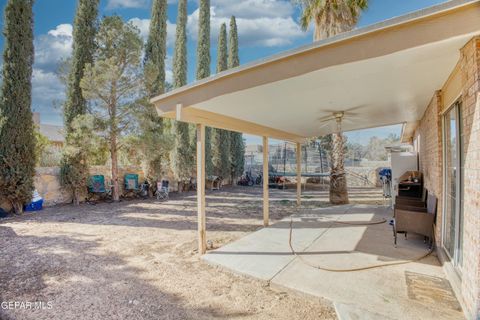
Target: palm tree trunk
(338, 179)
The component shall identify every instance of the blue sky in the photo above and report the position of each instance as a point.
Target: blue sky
(265, 27)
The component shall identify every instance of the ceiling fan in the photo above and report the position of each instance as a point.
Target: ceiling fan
(339, 117)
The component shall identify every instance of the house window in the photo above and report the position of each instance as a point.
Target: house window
(453, 182)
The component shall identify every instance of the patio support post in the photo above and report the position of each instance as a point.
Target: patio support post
(299, 174)
(202, 241)
(265, 183)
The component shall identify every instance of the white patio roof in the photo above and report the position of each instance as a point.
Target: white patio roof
(380, 75)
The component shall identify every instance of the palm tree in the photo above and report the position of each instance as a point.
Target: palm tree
(330, 18)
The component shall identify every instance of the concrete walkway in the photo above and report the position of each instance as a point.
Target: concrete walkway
(328, 237)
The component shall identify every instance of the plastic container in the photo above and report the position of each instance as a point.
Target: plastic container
(36, 204)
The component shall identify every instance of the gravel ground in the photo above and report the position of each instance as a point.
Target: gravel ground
(138, 260)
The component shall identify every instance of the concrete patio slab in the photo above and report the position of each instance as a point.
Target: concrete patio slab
(331, 238)
(265, 253)
(352, 312)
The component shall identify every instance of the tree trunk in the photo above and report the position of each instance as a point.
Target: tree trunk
(321, 157)
(76, 197)
(338, 179)
(113, 142)
(114, 157)
(181, 186)
(17, 207)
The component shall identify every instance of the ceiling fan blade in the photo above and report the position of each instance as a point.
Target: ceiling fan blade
(352, 119)
(345, 111)
(324, 124)
(359, 107)
(326, 119)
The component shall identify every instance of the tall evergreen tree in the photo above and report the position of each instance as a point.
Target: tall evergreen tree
(183, 161)
(17, 147)
(203, 46)
(221, 138)
(233, 56)
(237, 145)
(203, 69)
(180, 63)
(156, 47)
(74, 169)
(154, 128)
(84, 29)
(222, 54)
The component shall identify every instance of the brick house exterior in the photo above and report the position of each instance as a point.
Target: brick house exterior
(463, 86)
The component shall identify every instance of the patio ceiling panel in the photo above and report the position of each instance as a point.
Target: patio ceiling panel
(380, 75)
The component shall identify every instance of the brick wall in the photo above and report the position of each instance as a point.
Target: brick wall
(429, 138)
(470, 68)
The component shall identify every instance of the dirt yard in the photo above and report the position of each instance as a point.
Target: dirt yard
(138, 260)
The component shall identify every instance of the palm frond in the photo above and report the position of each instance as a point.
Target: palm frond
(330, 16)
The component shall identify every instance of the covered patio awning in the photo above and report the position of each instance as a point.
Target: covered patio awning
(375, 76)
(379, 75)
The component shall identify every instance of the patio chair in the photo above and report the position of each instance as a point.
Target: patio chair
(408, 202)
(416, 220)
(131, 185)
(96, 187)
(214, 182)
(163, 190)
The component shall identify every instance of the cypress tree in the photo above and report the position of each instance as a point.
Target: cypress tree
(233, 56)
(74, 169)
(182, 157)
(156, 47)
(84, 30)
(203, 69)
(222, 54)
(180, 63)
(221, 138)
(203, 46)
(153, 127)
(17, 147)
(237, 145)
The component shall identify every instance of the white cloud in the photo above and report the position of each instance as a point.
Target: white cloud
(251, 9)
(62, 30)
(144, 24)
(266, 23)
(47, 93)
(47, 89)
(113, 4)
(54, 46)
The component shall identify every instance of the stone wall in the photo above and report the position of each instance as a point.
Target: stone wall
(47, 183)
(364, 176)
